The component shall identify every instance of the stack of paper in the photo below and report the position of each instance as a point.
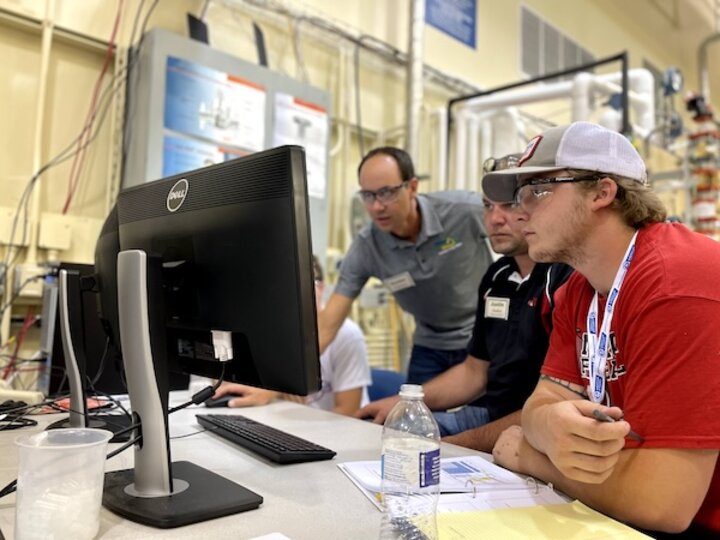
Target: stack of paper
(466, 483)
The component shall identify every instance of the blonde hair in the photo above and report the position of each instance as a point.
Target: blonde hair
(636, 202)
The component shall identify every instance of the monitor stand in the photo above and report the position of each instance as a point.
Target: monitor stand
(71, 321)
(157, 492)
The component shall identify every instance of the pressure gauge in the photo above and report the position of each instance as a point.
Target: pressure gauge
(672, 81)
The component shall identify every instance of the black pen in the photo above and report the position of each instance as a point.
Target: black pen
(602, 417)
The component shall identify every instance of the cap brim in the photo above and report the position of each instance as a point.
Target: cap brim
(500, 186)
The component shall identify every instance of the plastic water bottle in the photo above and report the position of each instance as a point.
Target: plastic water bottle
(410, 469)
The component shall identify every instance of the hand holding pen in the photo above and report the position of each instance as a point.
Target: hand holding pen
(602, 417)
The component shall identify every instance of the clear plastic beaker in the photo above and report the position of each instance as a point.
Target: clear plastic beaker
(60, 483)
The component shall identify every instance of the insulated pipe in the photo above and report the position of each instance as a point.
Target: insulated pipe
(581, 96)
(520, 97)
(460, 147)
(47, 35)
(470, 178)
(439, 115)
(622, 58)
(642, 83)
(703, 67)
(581, 89)
(486, 144)
(468, 127)
(506, 128)
(414, 95)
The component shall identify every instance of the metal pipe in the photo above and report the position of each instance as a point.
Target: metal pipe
(414, 94)
(526, 95)
(622, 57)
(33, 219)
(703, 67)
(440, 150)
(461, 145)
(378, 47)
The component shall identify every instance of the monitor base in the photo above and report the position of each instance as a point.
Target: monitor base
(208, 496)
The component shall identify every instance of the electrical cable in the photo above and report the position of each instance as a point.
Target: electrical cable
(7, 490)
(128, 428)
(124, 447)
(101, 367)
(203, 395)
(299, 59)
(16, 295)
(76, 168)
(44, 403)
(132, 59)
(15, 422)
(114, 86)
(191, 434)
(30, 319)
(118, 404)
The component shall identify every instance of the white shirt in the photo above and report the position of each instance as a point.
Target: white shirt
(343, 366)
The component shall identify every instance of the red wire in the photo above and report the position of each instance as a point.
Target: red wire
(27, 323)
(85, 134)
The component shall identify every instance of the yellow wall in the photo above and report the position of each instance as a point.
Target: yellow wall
(605, 27)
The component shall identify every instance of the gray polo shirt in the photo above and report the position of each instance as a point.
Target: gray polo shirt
(435, 279)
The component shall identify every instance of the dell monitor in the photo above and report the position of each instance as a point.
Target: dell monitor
(211, 264)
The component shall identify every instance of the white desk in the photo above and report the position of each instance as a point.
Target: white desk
(305, 501)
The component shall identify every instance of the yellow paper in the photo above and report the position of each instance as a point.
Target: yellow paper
(558, 521)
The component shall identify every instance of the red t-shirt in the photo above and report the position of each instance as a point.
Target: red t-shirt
(663, 365)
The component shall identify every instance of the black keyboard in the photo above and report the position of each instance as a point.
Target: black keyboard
(267, 441)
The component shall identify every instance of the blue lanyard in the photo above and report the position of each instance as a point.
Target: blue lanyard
(598, 343)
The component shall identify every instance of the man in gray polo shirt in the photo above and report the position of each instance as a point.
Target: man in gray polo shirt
(430, 252)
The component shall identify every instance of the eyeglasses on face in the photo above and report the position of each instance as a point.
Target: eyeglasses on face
(537, 189)
(489, 206)
(384, 195)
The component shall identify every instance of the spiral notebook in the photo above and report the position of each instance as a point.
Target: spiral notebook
(466, 483)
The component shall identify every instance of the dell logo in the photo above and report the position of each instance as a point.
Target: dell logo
(177, 195)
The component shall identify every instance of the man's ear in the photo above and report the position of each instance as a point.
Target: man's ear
(604, 193)
(413, 185)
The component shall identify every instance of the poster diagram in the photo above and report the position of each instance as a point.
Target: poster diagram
(305, 124)
(182, 155)
(217, 106)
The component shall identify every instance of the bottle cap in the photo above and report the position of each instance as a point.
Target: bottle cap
(411, 391)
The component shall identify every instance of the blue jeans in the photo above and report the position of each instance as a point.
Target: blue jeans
(427, 363)
(468, 417)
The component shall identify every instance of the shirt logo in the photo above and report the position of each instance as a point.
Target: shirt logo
(447, 245)
(613, 369)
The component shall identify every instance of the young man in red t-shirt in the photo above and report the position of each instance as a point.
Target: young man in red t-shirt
(635, 338)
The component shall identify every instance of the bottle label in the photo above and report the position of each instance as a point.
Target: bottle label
(430, 468)
(415, 468)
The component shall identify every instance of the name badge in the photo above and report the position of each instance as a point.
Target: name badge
(497, 308)
(399, 282)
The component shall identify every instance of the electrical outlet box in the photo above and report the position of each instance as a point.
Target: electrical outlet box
(55, 231)
(7, 216)
(23, 286)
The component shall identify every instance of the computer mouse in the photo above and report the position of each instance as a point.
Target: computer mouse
(222, 401)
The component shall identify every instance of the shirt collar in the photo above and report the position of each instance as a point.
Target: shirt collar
(430, 225)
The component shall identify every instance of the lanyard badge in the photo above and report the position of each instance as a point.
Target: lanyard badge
(598, 342)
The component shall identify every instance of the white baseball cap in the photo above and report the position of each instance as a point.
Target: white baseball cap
(580, 145)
